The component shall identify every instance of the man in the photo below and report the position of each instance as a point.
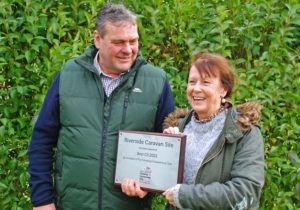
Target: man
(108, 88)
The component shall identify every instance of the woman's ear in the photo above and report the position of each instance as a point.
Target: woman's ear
(223, 93)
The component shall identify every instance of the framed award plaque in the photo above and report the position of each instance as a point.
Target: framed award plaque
(155, 160)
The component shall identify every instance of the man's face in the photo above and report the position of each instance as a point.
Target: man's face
(118, 48)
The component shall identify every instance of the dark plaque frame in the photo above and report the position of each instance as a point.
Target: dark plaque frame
(155, 160)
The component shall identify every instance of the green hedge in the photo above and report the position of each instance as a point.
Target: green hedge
(260, 37)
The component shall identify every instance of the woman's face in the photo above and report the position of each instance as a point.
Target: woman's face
(204, 93)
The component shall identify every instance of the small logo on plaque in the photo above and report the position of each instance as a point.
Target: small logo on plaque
(145, 175)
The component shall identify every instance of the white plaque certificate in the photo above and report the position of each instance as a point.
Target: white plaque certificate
(155, 160)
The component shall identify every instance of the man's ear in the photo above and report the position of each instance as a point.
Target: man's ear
(97, 39)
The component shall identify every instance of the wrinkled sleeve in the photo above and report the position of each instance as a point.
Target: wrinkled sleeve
(243, 190)
(44, 139)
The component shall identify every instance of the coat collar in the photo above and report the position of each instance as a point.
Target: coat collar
(238, 120)
(231, 131)
(86, 60)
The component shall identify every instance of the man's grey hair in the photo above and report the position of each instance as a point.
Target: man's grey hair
(115, 14)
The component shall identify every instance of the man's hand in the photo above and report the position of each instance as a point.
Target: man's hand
(132, 188)
(45, 207)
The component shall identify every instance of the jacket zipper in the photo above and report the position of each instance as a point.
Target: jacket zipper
(125, 108)
(212, 157)
(104, 136)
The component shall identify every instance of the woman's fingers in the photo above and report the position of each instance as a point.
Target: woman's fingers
(169, 196)
(171, 130)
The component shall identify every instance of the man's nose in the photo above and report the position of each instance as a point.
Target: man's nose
(126, 48)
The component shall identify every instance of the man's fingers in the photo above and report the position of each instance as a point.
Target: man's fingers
(131, 187)
(124, 185)
(141, 193)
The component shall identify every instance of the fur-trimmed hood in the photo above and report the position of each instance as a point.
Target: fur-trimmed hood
(248, 114)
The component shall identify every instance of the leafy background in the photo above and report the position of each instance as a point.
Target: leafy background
(261, 38)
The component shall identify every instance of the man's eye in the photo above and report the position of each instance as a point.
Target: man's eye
(118, 42)
(133, 42)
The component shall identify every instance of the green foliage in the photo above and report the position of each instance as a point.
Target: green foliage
(261, 39)
(36, 38)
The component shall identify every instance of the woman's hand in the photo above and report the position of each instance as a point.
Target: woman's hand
(169, 196)
(132, 188)
(171, 130)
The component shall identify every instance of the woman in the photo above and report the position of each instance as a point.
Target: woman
(224, 158)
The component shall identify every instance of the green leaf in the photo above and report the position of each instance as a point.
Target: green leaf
(160, 207)
(28, 56)
(2, 130)
(23, 153)
(3, 186)
(20, 89)
(294, 158)
(28, 37)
